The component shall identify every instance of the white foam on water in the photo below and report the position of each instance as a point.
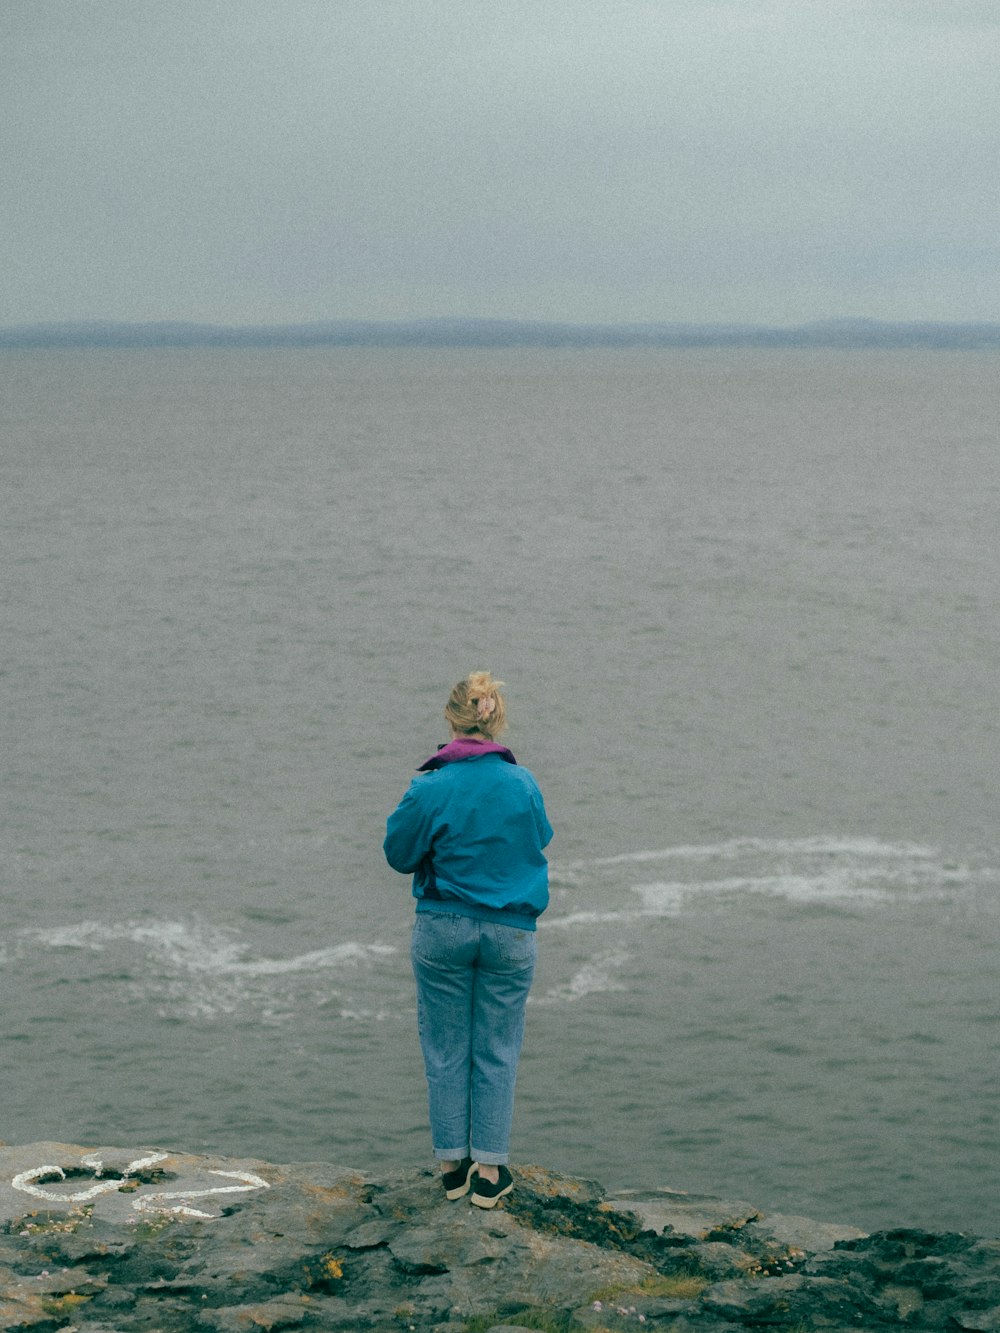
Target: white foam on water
(595, 977)
(353, 1014)
(553, 922)
(737, 848)
(668, 899)
(198, 947)
(81, 935)
(852, 873)
(317, 960)
(217, 954)
(196, 969)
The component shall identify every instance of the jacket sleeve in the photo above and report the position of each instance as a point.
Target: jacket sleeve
(544, 827)
(408, 832)
(541, 818)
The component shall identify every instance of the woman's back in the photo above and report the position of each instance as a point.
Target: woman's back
(472, 832)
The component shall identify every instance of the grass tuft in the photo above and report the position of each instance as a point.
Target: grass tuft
(545, 1321)
(664, 1286)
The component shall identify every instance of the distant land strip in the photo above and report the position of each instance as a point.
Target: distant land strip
(842, 333)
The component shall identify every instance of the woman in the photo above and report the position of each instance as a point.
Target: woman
(471, 830)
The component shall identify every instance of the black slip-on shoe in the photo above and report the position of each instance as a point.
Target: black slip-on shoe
(486, 1193)
(457, 1182)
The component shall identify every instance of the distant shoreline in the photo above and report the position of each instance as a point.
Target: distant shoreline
(456, 333)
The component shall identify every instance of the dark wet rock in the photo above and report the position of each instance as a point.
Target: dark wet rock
(791, 1299)
(117, 1240)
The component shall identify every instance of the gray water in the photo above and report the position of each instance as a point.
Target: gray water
(746, 604)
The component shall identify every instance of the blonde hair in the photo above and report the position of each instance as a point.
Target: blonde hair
(476, 704)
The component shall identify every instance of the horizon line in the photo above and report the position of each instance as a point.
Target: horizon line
(487, 331)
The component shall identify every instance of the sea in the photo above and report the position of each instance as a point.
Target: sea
(747, 606)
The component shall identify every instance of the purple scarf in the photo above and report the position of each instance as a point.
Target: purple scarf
(464, 747)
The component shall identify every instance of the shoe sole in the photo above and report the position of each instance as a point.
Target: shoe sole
(491, 1200)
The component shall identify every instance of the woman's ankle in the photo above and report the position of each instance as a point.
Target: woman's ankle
(487, 1171)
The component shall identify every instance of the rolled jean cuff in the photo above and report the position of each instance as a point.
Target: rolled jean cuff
(451, 1154)
(490, 1158)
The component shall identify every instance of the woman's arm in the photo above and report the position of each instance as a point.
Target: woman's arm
(408, 832)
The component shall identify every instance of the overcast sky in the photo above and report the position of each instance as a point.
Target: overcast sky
(247, 161)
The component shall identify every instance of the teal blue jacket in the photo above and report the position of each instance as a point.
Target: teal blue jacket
(471, 830)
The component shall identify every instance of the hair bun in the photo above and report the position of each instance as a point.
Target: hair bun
(476, 705)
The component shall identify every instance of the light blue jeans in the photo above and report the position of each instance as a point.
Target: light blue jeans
(473, 979)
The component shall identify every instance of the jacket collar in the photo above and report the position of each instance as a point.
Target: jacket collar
(464, 747)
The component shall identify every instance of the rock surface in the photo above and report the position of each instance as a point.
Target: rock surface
(111, 1240)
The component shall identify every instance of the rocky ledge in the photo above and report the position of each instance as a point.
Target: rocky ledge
(111, 1240)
